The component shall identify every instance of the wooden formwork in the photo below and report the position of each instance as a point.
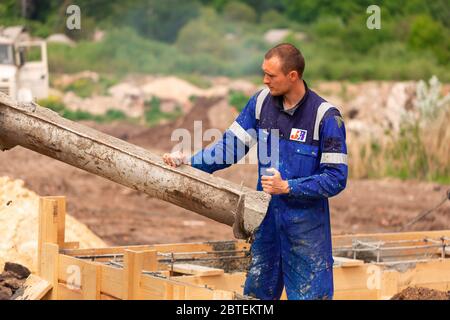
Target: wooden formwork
(367, 266)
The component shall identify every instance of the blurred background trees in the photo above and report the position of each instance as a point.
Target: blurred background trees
(226, 37)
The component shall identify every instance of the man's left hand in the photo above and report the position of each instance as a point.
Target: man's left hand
(274, 184)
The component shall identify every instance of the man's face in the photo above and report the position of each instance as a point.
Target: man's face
(274, 77)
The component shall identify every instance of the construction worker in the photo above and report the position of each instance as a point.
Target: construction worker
(291, 248)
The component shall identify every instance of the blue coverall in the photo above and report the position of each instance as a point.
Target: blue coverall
(292, 246)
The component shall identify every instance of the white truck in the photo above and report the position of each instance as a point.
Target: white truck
(23, 65)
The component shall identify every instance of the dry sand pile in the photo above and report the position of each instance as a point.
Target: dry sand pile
(19, 225)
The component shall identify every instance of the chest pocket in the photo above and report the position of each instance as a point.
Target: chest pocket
(303, 160)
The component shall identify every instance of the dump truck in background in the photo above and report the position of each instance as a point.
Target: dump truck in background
(23, 65)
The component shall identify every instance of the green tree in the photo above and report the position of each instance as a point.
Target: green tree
(198, 37)
(429, 34)
(240, 12)
(161, 20)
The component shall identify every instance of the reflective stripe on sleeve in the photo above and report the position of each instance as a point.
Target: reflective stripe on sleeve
(242, 135)
(259, 102)
(334, 158)
(323, 108)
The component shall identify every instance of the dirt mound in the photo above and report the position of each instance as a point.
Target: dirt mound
(172, 88)
(11, 279)
(419, 293)
(158, 137)
(19, 225)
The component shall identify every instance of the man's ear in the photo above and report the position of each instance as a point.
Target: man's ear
(293, 75)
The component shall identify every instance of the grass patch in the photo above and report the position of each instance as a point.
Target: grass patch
(153, 114)
(238, 100)
(58, 106)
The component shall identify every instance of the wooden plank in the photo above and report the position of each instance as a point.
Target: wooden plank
(105, 251)
(223, 295)
(178, 292)
(168, 290)
(34, 288)
(389, 284)
(48, 229)
(198, 293)
(150, 260)
(107, 297)
(339, 240)
(134, 263)
(347, 262)
(60, 217)
(70, 268)
(233, 282)
(175, 247)
(426, 273)
(71, 245)
(85, 275)
(152, 288)
(91, 281)
(111, 281)
(197, 270)
(49, 268)
(184, 247)
(155, 288)
(68, 293)
(356, 295)
(363, 277)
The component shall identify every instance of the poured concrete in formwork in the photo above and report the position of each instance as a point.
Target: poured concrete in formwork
(44, 131)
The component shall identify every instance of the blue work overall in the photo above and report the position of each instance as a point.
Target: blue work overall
(292, 246)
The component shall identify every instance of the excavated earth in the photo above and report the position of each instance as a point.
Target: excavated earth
(419, 293)
(11, 279)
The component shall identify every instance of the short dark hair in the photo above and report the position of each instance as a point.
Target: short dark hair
(291, 58)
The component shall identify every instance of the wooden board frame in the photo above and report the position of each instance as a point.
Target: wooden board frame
(141, 276)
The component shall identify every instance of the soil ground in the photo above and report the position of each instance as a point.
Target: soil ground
(418, 293)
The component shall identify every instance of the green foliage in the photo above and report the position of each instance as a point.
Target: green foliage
(238, 100)
(328, 26)
(58, 106)
(198, 37)
(274, 19)
(408, 154)
(427, 34)
(225, 37)
(114, 115)
(83, 87)
(361, 39)
(53, 103)
(86, 87)
(160, 20)
(153, 114)
(238, 11)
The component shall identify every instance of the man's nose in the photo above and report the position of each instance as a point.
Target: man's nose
(266, 79)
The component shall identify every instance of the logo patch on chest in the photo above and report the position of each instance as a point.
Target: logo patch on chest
(298, 135)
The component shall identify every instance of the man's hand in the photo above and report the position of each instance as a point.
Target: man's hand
(176, 159)
(274, 184)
